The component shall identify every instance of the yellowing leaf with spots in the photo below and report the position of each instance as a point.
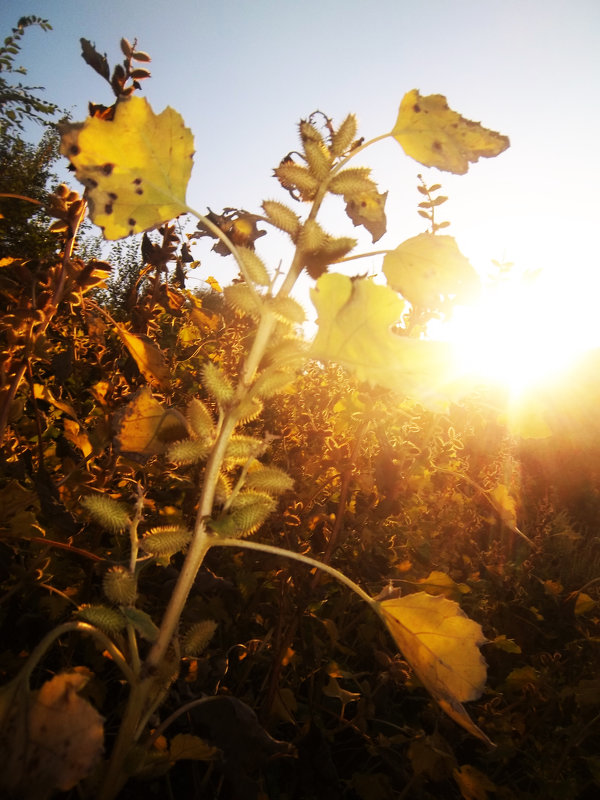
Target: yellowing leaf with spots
(135, 167)
(441, 644)
(434, 135)
(429, 270)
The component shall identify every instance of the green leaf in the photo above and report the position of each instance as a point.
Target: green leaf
(142, 622)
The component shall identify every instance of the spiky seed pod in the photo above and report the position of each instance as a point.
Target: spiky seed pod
(288, 310)
(352, 181)
(282, 217)
(109, 513)
(338, 248)
(200, 419)
(110, 620)
(268, 479)
(247, 513)
(188, 451)
(333, 249)
(271, 382)
(216, 383)
(126, 47)
(120, 586)
(312, 236)
(288, 352)
(257, 272)
(250, 509)
(166, 540)
(240, 297)
(249, 410)
(344, 136)
(318, 159)
(309, 133)
(242, 448)
(222, 489)
(295, 176)
(197, 638)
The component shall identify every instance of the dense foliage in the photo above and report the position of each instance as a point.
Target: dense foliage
(276, 680)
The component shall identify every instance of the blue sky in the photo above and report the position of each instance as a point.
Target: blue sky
(243, 73)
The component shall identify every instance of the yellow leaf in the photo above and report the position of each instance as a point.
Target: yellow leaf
(527, 419)
(135, 167)
(438, 583)
(434, 135)
(76, 436)
(368, 209)
(584, 603)
(145, 428)
(214, 284)
(355, 320)
(187, 746)
(473, 784)
(441, 644)
(505, 504)
(65, 738)
(42, 392)
(150, 360)
(429, 270)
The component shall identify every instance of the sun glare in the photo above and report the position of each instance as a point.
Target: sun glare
(523, 330)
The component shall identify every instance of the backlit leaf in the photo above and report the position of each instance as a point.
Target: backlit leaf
(473, 784)
(439, 583)
(149, 359)
(434, 135)
(135, 167)
(188, 746)
(355, 319)
(368, 209)
(505, 504)
(442, 646)
(145, 428)
(428, 270)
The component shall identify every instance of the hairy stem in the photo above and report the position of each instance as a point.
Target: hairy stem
(246, 544)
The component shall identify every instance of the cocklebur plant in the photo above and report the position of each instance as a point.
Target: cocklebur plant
(135, 166)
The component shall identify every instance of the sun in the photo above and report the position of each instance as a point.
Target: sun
(524, 330)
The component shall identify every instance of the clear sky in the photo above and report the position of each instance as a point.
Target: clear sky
(243, 72)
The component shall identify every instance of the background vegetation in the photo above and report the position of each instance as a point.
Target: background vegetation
(309, 697)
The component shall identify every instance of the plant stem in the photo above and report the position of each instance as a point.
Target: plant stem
(40, 650)
(246, 544)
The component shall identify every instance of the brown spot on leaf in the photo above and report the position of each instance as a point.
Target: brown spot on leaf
(131, 221)
(108, 209)
(437, 146)
(137, 181)
(139, 191)
(74, 150)
(107, 168)
(416, 108)
(113, 196)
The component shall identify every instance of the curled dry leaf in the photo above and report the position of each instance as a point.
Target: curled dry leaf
(54, 738)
